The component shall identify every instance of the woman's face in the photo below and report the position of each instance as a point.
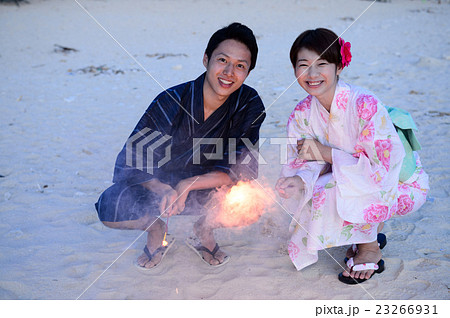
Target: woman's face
(316, 76)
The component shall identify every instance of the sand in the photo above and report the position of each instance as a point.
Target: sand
(66, 114)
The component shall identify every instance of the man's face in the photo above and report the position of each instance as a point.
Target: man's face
(227, 68)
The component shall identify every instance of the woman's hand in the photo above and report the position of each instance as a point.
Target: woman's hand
(313, 150)
(289, 186)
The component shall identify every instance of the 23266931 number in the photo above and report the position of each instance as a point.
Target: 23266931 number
(404, 309)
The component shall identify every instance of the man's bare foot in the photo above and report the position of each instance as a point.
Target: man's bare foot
(154, 240)
(367, 253)
(206, 237)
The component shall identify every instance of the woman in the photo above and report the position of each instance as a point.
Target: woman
(344, 174)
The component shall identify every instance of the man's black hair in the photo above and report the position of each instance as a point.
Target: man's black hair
(235, 31)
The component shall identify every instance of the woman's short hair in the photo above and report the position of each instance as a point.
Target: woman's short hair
(235, 31)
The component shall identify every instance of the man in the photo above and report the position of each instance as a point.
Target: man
(180, 165)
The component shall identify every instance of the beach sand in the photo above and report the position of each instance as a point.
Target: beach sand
(66, 114)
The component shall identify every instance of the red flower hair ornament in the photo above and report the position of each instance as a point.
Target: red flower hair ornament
(345, 52)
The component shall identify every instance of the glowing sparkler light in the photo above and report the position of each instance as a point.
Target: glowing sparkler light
(164, 242)
(243, 204)
(237, 195)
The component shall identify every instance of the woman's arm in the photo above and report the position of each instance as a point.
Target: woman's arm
(313, 150)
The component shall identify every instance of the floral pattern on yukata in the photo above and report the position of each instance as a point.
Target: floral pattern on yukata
(342, 99)
(376, 213)
(346, 205)
(384, 148)
(367, 106)
(302, 106)
(367, 134)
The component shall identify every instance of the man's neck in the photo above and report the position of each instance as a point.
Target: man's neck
(210, 107)
(211, 102)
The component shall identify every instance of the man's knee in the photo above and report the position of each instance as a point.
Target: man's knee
(113, 225)
(145, 223)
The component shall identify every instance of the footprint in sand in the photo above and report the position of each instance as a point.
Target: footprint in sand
(400, 230)
(205, 288)
(110, 283)
(270, 228)
(7, 294)
(78, 271)
(14, 290)
(416, 289)
(4, 228)
(429, 253)
(425, 265)
(419, 285)
(394, 267)
(15, 234)
(86, 218)
(76, 267)
(313, 273)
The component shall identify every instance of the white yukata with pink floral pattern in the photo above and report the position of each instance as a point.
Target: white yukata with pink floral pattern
(343, 205)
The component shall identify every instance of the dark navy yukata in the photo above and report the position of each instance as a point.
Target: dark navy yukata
(181, 132)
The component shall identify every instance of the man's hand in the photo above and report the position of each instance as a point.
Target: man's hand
(168, 205)
(182, 188)
(173, 200)
(313, 150)
(289, 186)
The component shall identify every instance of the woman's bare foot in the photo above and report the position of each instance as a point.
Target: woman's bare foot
(154, 240)
(351, 253)
(367, 253)
(206, 237)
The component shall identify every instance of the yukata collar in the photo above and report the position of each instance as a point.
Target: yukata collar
(341, 86)
(198, 82)
(342, 90)
(233, 99)
(340, 98)
(197, 106)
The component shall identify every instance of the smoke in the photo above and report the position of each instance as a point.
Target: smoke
(242, 204)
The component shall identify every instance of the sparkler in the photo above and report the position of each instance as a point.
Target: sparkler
(164, 242)
(243, 204)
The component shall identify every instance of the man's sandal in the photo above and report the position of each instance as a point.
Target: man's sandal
(162, 249)
(195, 245)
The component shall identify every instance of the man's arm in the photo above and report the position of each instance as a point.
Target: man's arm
(157, 186)
(213, 179)
(173, 200)
(210, 180)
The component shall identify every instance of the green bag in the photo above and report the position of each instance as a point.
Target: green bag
(405, 126)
